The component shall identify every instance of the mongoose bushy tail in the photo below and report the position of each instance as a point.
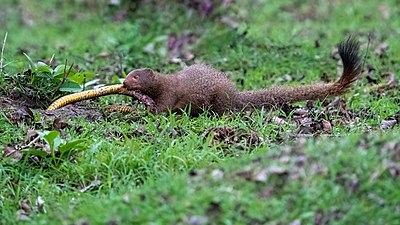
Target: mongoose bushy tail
(276, 96)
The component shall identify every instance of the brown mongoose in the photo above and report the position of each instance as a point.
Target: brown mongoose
(199, 87)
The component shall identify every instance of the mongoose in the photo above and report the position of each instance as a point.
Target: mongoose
(199, 87)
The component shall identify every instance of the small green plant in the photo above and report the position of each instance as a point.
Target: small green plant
(56, 147)
(63, 78)
(44, 83)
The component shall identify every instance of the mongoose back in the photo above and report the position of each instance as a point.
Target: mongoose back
(199, 87)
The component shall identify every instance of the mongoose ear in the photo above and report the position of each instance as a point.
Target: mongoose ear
(144, 72)
(148, 72)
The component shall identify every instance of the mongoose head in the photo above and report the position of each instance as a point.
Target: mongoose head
(141, 80)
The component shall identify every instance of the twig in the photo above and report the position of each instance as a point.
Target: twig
(84, 82)
(2, 53)
(30, 143)
(366, 53)
(64, 78)
(51, 59)
(91, 185)
(120, 60)
(67, 73)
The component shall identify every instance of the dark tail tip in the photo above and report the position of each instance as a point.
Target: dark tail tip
(352, 66)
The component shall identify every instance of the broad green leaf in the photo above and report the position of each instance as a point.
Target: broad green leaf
(58, 72)
(43, 67)
(43, 133)
(70, 146)
(52, 138)
(57, 142)
(70, 86)
(39, 153)
(43, 74)
(80, 78)
(115, 80)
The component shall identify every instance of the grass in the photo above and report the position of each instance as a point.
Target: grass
(169, 169)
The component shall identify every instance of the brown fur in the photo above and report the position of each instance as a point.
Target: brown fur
(199, 87)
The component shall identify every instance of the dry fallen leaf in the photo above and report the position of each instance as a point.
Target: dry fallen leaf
(22, 216)
(321, 217)
(388, 124)
(246, 173)
(104, 54)
(214, 209)
(92, 184)
(266, 192)
(349, 181)
(384, 10)
(394, 169)
(21, 114)
(217, 174)
(112, 222)
(295, 222)
(381, 49)
(229, 21)
(196, 220)
(12, 152)
(25, 205)
(375, 198)
(233, 136)
(40, 204)
(126, 198)
(31, 134)
(261, 175)
(204, 7)
(318, 217)
(82, 221)
(391, 79)
(24, 211)
(391, 148)
(335, 53)
(60, 123)
(179, 47)
(326, 126)
(279, 121)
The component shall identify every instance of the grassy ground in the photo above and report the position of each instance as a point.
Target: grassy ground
(340, 168)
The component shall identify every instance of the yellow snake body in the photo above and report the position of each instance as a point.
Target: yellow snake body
(120, 108)
(68, 99)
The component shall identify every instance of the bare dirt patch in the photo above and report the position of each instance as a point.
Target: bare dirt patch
(19, 107)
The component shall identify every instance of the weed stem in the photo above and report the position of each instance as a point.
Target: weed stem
(2, 53)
